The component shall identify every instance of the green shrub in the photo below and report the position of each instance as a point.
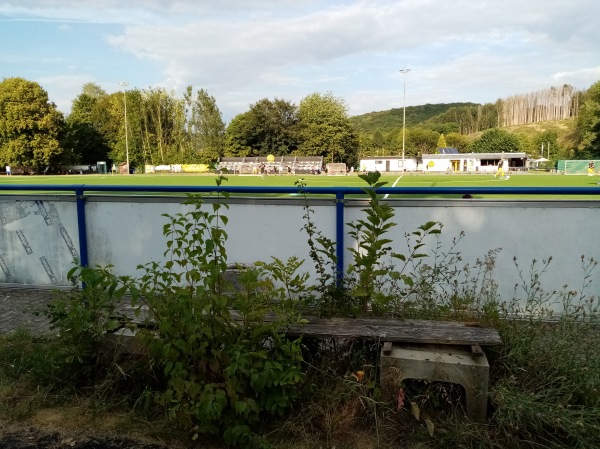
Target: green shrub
(219, 363)
(378, 281)
(82, 318)
(221, 348)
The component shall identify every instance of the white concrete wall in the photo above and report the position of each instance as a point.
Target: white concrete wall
(38, 239)
(395, 164)
(521, 230)
(466, 164)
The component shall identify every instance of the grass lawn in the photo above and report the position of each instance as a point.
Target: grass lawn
(408, 180)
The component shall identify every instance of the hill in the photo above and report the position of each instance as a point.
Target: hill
(564, 130)
(386, 121)
(469, 119)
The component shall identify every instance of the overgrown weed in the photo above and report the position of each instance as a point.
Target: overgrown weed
(218, 362)
(27, 378)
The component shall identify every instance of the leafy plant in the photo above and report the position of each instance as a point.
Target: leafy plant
(332, 296)
(371, 248)
(221, 348)
(379, 279)
(83, 316)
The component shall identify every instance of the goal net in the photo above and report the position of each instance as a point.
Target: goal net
(576, 167)
(336, 168)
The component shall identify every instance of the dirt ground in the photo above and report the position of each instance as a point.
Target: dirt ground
(22, 436)
(52, 429)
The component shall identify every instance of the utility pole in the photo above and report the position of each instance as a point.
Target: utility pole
(404, 72)
(125, 84)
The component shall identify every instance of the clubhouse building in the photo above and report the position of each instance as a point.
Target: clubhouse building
(448, 160)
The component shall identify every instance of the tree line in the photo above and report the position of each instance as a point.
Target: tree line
(555, 103)
(154, 126)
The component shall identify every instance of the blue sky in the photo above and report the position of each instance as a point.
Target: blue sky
(242, 51)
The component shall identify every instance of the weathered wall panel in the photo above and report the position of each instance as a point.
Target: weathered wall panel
(39, 237)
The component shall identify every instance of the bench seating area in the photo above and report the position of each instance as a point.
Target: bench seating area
(445, 351)
(276, 165)
(442, 351)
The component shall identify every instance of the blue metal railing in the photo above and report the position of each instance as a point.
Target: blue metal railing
(340, 193)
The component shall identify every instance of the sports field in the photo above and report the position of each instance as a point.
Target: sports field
(392, 180)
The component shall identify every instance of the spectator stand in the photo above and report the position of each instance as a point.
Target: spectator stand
(280, 165)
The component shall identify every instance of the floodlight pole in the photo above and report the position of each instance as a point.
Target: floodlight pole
(125, 84)
(404, 72)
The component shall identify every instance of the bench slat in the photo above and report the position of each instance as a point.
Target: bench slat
(405, 331)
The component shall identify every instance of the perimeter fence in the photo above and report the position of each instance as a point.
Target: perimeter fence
(44, 228)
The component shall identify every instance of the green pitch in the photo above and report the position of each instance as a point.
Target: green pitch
(406, 180)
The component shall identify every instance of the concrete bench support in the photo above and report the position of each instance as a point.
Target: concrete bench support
(439, 363)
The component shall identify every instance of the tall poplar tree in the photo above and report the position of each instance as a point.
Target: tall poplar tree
(84, 143)
(442, 142)
(162, 126)
(208, 129)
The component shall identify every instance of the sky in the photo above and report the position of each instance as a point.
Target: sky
(242, 51)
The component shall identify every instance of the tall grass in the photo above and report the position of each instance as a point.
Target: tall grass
(545, 382)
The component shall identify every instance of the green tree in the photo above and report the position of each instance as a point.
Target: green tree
(365, 144)
(420, 141)
(496, 141)
(378, 144)
(162, 127)
(325, 129)
(30, 126)
(109, 120)
(238, 137)
(540, 144)
(442, 142)
(488, 115)
(269, 127)
(588, 124)
(206, 128)
(83, 142)
(458, 141)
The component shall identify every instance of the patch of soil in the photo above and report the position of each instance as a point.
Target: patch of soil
(24, 437)
(55, 429)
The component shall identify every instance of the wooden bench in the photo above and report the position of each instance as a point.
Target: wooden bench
(444, 351)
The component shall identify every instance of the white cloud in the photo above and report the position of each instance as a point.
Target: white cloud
(62, 90)
(243, 51)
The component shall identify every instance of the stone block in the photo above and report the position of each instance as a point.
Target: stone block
(442, 363)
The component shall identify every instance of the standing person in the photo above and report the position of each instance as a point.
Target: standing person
(591, 168)
(500, 172)
(8, 172)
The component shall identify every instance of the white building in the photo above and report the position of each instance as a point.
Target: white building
(449, 160)
(388, 164)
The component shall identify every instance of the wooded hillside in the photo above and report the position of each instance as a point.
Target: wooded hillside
(554, 103)
(386, 121)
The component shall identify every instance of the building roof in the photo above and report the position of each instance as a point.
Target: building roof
(447, 150)
(388, 158)
(482, 156)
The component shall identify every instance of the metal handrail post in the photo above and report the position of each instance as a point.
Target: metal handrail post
(81, 226)
(339, 236)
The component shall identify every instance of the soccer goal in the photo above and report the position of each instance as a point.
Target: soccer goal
(574, 167)
(336, 168)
